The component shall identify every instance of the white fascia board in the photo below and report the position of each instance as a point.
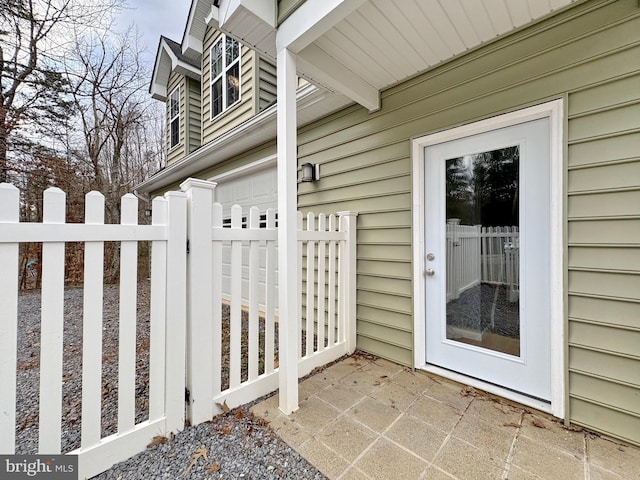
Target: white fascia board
(311, 20)
(186, 69)
(191, 46)
(266, 10)
(158, 92)
(213, 18)
(319, 66)
(262, 10)
(179, 66)
(166, 62)
(158, 87)
(194, 30)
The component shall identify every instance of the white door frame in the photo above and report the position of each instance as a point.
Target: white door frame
(554, 110)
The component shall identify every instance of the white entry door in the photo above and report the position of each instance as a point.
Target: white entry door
(487, 241)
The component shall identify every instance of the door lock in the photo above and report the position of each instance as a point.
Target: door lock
(431, 257)
(430, 272)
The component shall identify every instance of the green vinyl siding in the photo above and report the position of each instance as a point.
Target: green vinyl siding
(193, 113)
(190, 133)
(238, 113)
(267, 86)
(588, 55)
(178, 151)
(603, 210)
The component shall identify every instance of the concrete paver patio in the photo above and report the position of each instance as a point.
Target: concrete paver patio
(367, 418)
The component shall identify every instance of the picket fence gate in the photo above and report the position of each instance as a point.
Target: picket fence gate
(186, 313)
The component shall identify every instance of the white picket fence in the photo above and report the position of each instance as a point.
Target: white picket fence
(327, 318)
(168, 322)
(186, 318)
(477, 254)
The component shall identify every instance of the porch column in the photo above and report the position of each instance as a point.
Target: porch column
(287, 232)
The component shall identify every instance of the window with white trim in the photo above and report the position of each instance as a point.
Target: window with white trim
(225, 74)
(174, 117)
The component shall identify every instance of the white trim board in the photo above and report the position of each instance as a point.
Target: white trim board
(253, 167)
(554, 110)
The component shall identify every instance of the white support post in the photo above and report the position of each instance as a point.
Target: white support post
(158, 314)
(127, 322)
(51, 350)
(9, 213)
(254, 271)
(287, 231)
(92, 324)
(176, 308)
(216, 298)
(348, 289)
(200, 304)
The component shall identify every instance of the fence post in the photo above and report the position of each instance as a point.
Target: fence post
(176, 309)
(51, 350)
(9, 213)
(348, 278)
(478, 252)
(200, 304)
(453, 256)
(127, 319)
(92, 300)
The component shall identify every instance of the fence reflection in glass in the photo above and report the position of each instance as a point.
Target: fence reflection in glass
(482, 244)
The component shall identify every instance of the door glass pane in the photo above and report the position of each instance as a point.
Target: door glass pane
(482, 244)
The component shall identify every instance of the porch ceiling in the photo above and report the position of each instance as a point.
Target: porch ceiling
(360, 51)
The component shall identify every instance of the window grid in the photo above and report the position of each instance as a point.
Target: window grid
(174, 117)
(225, 74)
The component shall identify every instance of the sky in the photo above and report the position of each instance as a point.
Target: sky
(154, 18)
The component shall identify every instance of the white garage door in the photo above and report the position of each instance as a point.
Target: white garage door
(257, 188)
(254, 188)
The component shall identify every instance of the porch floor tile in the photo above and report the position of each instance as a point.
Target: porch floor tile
(366, 418)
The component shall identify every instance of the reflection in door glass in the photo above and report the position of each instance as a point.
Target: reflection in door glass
(482, 238)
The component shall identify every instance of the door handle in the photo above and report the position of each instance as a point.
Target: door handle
(430, 272)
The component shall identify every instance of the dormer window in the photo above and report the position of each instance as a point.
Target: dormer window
(225, 74)
(174, 117)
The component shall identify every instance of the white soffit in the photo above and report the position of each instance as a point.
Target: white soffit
(382, 42)
(251, 21)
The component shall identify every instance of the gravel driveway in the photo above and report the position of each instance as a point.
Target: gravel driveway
(233, 445)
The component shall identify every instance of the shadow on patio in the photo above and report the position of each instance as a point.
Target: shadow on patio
(365, 417)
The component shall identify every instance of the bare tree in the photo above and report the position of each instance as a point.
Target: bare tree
(32, 88)
(109, 92)
(74, 107)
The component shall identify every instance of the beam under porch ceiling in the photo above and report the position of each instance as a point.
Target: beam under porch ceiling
(319, 67)
(298, 33)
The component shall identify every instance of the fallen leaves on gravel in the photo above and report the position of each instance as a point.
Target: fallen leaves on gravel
(157, 440)
(223, 406)
(201, 452)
